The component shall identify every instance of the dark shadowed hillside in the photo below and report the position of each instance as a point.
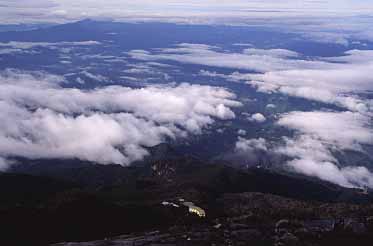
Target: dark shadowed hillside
(81, 202)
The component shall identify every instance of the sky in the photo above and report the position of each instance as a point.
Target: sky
(33, 11)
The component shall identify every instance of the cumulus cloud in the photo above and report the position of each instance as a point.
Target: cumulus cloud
(318, 135)
(250, 145)
(313, 157)
(345, 176)
(332, 80)
(346, 130)
(241, 132)
(250, 151)
(258, 117)
(335, 86)
(114, 124)
(341, 81)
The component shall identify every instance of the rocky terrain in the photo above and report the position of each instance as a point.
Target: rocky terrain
(255, 218)
(49, 204)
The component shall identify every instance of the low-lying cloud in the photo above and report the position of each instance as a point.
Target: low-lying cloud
(329, 21)
(114, 124)
(332, 80)
(340, 81)
(29, 47)
(258, 117)
(318, 136)
(250, 145)
(248, 151)
(62, 10)
(257, 60)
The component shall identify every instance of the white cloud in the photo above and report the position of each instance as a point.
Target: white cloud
(62, 10)
(280, 53)
(328, 21)
(333, 80)
(250, 150)
(150, 69)
(341, 31)
(21, 47)
(241, 132)
(30, 45)
(96, 77)
(336, 86)
(346, 130)
(41, 119)
(318, 136)
(312, 157)
(250, 145)
(258, 117)
(251, 59)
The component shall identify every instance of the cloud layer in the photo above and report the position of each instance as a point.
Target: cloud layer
(327, 21)
(59, 10)
(334, 80)
(41, 119)
(345, 81)
(24, 47)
